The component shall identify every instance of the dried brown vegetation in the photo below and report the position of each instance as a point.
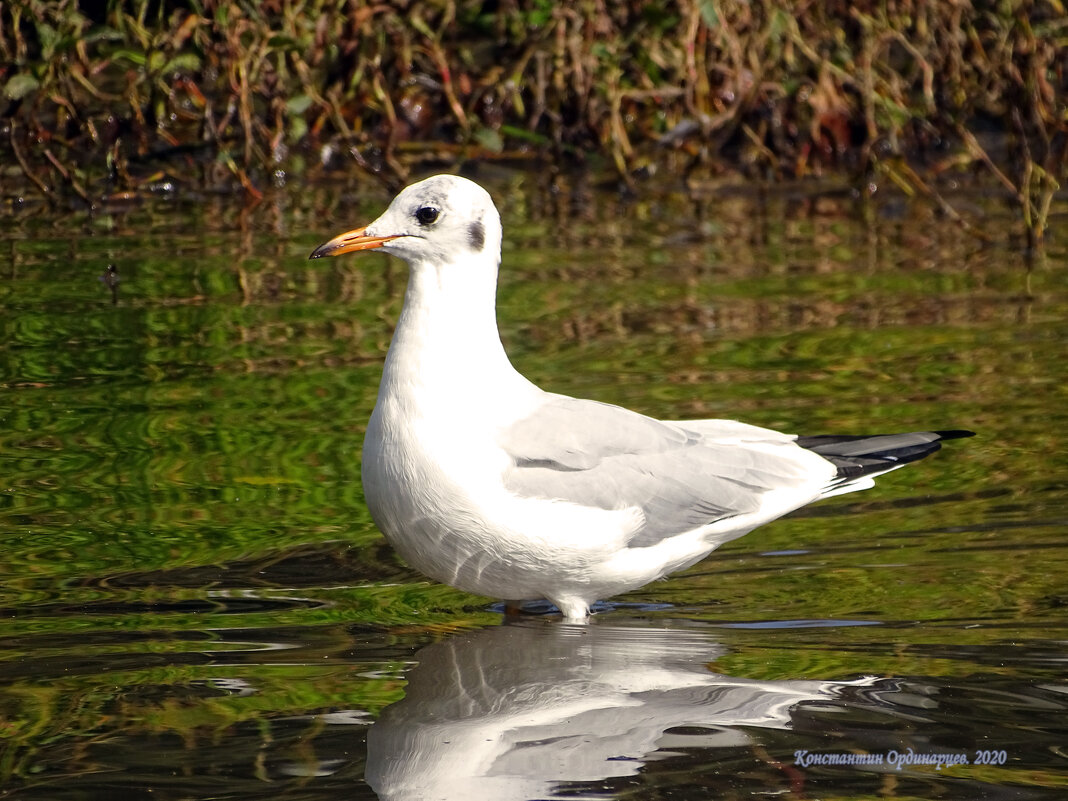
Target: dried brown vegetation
(115, 98)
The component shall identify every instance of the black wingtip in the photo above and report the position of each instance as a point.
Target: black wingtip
(870, 455)
(957, 433)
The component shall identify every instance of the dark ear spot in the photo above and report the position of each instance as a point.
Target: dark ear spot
(476, 235)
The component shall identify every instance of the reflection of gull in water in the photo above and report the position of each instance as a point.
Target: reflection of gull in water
(506, 713)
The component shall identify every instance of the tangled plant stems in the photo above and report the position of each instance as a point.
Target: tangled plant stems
(114, 98)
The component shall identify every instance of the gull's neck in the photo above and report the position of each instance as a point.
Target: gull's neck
(446, 344)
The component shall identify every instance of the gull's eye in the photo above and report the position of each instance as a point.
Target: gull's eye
(427, 215)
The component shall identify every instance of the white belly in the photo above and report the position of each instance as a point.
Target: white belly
(436, 493)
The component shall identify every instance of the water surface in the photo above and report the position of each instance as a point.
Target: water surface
(196, 604)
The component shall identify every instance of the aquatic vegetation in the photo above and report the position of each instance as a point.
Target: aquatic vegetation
(119, 98)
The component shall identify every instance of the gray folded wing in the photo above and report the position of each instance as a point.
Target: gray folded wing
(681, 475)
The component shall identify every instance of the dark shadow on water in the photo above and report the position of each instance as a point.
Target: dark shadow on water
(216, 604)
(540, 608)
(307, 565)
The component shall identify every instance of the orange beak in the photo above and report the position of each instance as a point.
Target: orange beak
(348, 242)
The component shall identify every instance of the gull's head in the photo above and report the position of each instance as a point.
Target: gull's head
(442, 220)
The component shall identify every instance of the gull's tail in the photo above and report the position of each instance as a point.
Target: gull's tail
(860, 459)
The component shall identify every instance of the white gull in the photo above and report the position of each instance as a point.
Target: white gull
(483, 481)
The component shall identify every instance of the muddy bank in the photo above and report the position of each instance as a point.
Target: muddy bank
(120, 98)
